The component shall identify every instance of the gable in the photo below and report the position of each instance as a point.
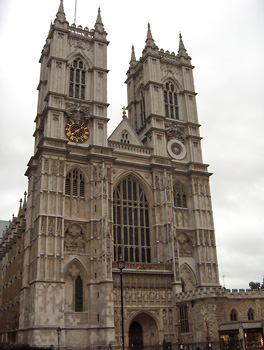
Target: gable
(125, 133)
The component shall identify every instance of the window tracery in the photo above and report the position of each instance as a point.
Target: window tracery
(74, 239)
(74, 184)
(131, 222)
(179, 195)
(171, 101)
(77, 79)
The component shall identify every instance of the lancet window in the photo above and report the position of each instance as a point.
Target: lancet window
(125, 137)
(179, 195)
(78, 294)
(74, 184)
(142, 108)
(184, 321)
(233, 315)
(77, 79)
(250, 314)
(131, 222)
(171, 101)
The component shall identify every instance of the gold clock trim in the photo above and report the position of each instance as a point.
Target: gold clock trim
(77, 131)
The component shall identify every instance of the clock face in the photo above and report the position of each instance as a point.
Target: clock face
(176, 149)
(76, 131)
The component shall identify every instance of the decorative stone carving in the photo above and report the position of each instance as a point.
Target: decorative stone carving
(173, 131)
(185, 245)
(77, 112)
(74, 239)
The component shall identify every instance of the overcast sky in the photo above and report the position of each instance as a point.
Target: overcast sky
(226, 42)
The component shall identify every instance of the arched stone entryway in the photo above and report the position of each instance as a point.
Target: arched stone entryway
(143, 331)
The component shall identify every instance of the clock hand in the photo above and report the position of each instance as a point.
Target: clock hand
(76, 131)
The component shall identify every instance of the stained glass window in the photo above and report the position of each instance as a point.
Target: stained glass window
(132, 227)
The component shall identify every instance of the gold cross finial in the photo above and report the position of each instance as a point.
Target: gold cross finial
(124, 112)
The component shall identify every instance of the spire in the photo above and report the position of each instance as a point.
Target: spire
(182, 51)
(133, 55)
(150, 41)
(60, 14)
(99, 17)
(150, 44)
(149, 34)
(25, 201)
(99, 24)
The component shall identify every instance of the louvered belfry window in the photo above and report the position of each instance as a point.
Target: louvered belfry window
(171, 101)
(131, 222)
(77, 79)
(74, 184)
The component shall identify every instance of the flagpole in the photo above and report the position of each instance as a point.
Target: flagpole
(75, 12)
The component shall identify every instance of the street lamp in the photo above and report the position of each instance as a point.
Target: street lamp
(121, 265)
(58, 332)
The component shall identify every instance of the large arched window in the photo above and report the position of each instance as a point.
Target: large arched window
(77, 79)
(74, 184)
(78, 295)
(131, 222)
(171, 101)
(179, 196)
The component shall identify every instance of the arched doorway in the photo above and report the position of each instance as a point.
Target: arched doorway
(143, 332)
(135, 336)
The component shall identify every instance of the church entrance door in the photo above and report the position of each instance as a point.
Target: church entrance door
(143, 332)
(135, 336)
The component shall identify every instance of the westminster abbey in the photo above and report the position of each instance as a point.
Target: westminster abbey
(141, 194)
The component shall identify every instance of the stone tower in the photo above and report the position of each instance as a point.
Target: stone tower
(67, 264)
(143, 194)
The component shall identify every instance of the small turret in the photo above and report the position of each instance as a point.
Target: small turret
(60, 17)
(99, 24)
(150, 43)
(182, 51)
(133, 57)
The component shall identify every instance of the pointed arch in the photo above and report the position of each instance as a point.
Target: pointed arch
(75, 277)
(170, 77)
(77, 67)
(74, 272)
(131, 216)
(171, 98)
(179, 195)
(188, 277)
(145, 186)
(149, 324)
(233, 315)
(250, 314)
(75, 182)
(140, 97)
(78, 53)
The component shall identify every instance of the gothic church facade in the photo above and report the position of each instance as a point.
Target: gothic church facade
(142, 194)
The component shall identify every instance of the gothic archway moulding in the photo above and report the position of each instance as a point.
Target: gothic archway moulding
(150, 324)
(144, 185)
(188, 277)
